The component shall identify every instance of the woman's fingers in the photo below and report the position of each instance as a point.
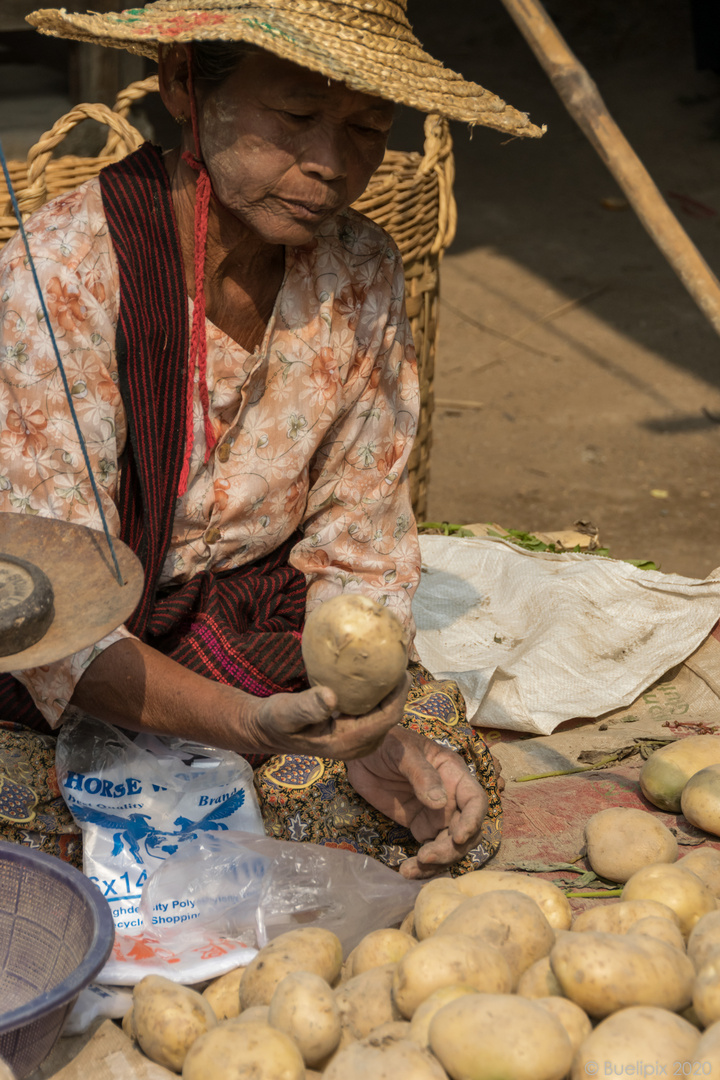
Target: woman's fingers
(307, 723)
(472, 808)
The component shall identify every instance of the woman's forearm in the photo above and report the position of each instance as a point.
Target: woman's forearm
(134, 686)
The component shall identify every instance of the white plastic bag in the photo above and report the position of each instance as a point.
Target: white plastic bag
(139, 802)
(245, 890)
(239, 884)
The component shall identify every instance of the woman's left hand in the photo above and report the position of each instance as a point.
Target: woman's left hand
(429, 789)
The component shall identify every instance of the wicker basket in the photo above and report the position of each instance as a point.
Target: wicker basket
(411, 195)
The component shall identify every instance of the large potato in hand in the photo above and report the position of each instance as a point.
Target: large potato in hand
(356, 647)
(167, 1019)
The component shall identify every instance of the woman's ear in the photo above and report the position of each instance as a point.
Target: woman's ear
(173, 63)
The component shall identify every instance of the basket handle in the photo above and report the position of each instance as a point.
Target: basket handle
(34, 194)
(438, 157)
(124, 102)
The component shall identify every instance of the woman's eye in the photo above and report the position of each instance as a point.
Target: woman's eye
(370, 131)
(297, 117)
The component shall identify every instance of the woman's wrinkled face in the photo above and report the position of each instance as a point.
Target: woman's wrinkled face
(287, 148)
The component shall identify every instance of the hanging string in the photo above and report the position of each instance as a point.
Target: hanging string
(61, 367)
(198, 337)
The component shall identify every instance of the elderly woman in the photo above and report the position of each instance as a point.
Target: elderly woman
(242, 367)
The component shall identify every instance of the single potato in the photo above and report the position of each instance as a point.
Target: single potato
(621, 840)
(224, 994)
(704, 941)
(680, 889)
(576, 1022)
(167, 1019)
(358, 648)
(661, 929)
(378, 948)
(254, 1014)
(434, 903)
(509, 921)
(420, 1023)
(366, 1002)
(653, 1037)
(667, 771)
(309, 949)
(395, 1031)
(706, 992)
(304, 1007)
(603, 973)
(707, 1050)
(552, 902)
(618, 916)
(492, 1036)
(402, 1060)
(700, 799)
(444, 960)
(251, 1051)
(705, 862)
(539, 981)
(408, 924)
(127, 1024)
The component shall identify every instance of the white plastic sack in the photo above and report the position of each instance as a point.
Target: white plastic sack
(139, 802)
(534, 639)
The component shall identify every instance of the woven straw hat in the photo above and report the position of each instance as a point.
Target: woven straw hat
(367, 44)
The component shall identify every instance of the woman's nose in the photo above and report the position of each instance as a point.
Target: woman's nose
(325, 155)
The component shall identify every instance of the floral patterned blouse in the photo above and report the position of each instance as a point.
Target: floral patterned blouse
(313, 429)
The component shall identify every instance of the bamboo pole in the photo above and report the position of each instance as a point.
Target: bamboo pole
(582, 99)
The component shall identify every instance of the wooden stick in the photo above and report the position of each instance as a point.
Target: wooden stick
(581, 98)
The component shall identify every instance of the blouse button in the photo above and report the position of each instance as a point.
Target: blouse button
(212, 535)
(223, 453)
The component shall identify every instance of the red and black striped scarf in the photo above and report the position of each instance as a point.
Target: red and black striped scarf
(240, 627)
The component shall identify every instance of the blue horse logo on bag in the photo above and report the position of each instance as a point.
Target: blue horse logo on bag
(135, 830)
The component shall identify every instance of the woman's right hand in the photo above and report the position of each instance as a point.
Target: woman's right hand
(309, 723)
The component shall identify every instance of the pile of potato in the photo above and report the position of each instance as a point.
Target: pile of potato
(488, 978)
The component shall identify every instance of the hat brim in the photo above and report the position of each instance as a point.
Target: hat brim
(375, 55)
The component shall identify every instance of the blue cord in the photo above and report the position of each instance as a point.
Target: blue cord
(16, 208)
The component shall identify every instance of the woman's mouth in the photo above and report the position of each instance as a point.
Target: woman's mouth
(307, 211)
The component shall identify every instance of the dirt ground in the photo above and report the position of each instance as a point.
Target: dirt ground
(588, 377)
(613, 390)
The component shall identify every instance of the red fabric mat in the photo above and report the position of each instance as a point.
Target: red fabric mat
(544, 820)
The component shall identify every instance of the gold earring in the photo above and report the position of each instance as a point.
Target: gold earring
(180, 119)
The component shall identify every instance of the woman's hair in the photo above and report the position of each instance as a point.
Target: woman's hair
(214, 61)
